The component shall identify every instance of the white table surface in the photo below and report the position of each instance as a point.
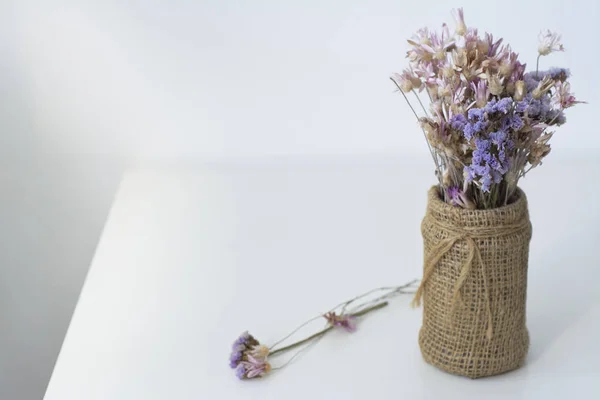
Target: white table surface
(192, 255)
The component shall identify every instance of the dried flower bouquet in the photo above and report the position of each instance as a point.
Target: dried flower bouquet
(489, 120)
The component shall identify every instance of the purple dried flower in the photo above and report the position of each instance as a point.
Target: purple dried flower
(560, 119)
(538, 108)
(559, 73)
(489, 162)
(504, 105)
(243, 345)
(518, 72)
(348, 322)
(516, 122)
(427, 73)
(236, 356)
(486, 182)
(459, 198)
(240, 372)
(458, 122)
(521, 106)
(241, 340)
(532, 79)
(498, 138)
(502, 155)
(470, 174)
(496, 176)
(453, 192)
(480, 126)
(482, 144)
(508, 63)
(492, 47)
(254, 368)
(235, 359)
(513, 122)
(469, 131)
(439, 44)
(476, 113)
(481, 92)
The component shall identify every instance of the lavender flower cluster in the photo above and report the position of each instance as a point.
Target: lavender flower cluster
(249, 357)
(489, 160)
(488, 118)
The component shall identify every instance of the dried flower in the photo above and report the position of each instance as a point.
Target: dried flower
(481, 93)
(240, 372)
(403, 82)
(243, 345)
(539, 150)
(543, 86)
(486, 109)
(421, 37)
(518, 71)
(444, 88)
(560, 74)
(519, 91)
(250, 359)
(459, 198)
(563, 96)
(508, 63)
(348, 322)
(439, 44)
(260, 351)
(495, 85)
(459, 18)
(448, 72)
(253, 368)
(427, 73)
(492, 47)
(549, 42)
(459, 58)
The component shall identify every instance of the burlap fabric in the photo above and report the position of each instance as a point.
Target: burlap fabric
(474, 287)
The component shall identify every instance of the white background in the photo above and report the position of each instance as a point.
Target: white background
(88, 86)
(255, 78)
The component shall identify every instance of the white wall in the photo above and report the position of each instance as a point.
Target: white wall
(249, 78)
(52, 214)
(85, 83)
(55, 194)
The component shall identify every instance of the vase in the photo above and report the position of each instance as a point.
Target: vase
(474, 287)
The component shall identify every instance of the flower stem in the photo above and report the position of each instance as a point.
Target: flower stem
(435, 160)
(324, 331)
(537, 66)
(420, 102)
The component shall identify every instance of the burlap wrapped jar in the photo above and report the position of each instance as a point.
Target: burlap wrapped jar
(474, 287)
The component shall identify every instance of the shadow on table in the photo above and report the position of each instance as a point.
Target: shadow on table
(560, 284)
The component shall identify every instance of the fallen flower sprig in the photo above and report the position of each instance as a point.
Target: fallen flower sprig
(250, 358)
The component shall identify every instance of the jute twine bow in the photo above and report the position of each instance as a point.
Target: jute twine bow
(469, 235)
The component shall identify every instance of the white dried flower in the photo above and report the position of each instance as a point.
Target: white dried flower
(549, 42)
(495, 85)
(545, 84)
(459, 18)
(519, 90)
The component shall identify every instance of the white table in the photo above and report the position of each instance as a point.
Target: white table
(192, 255)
